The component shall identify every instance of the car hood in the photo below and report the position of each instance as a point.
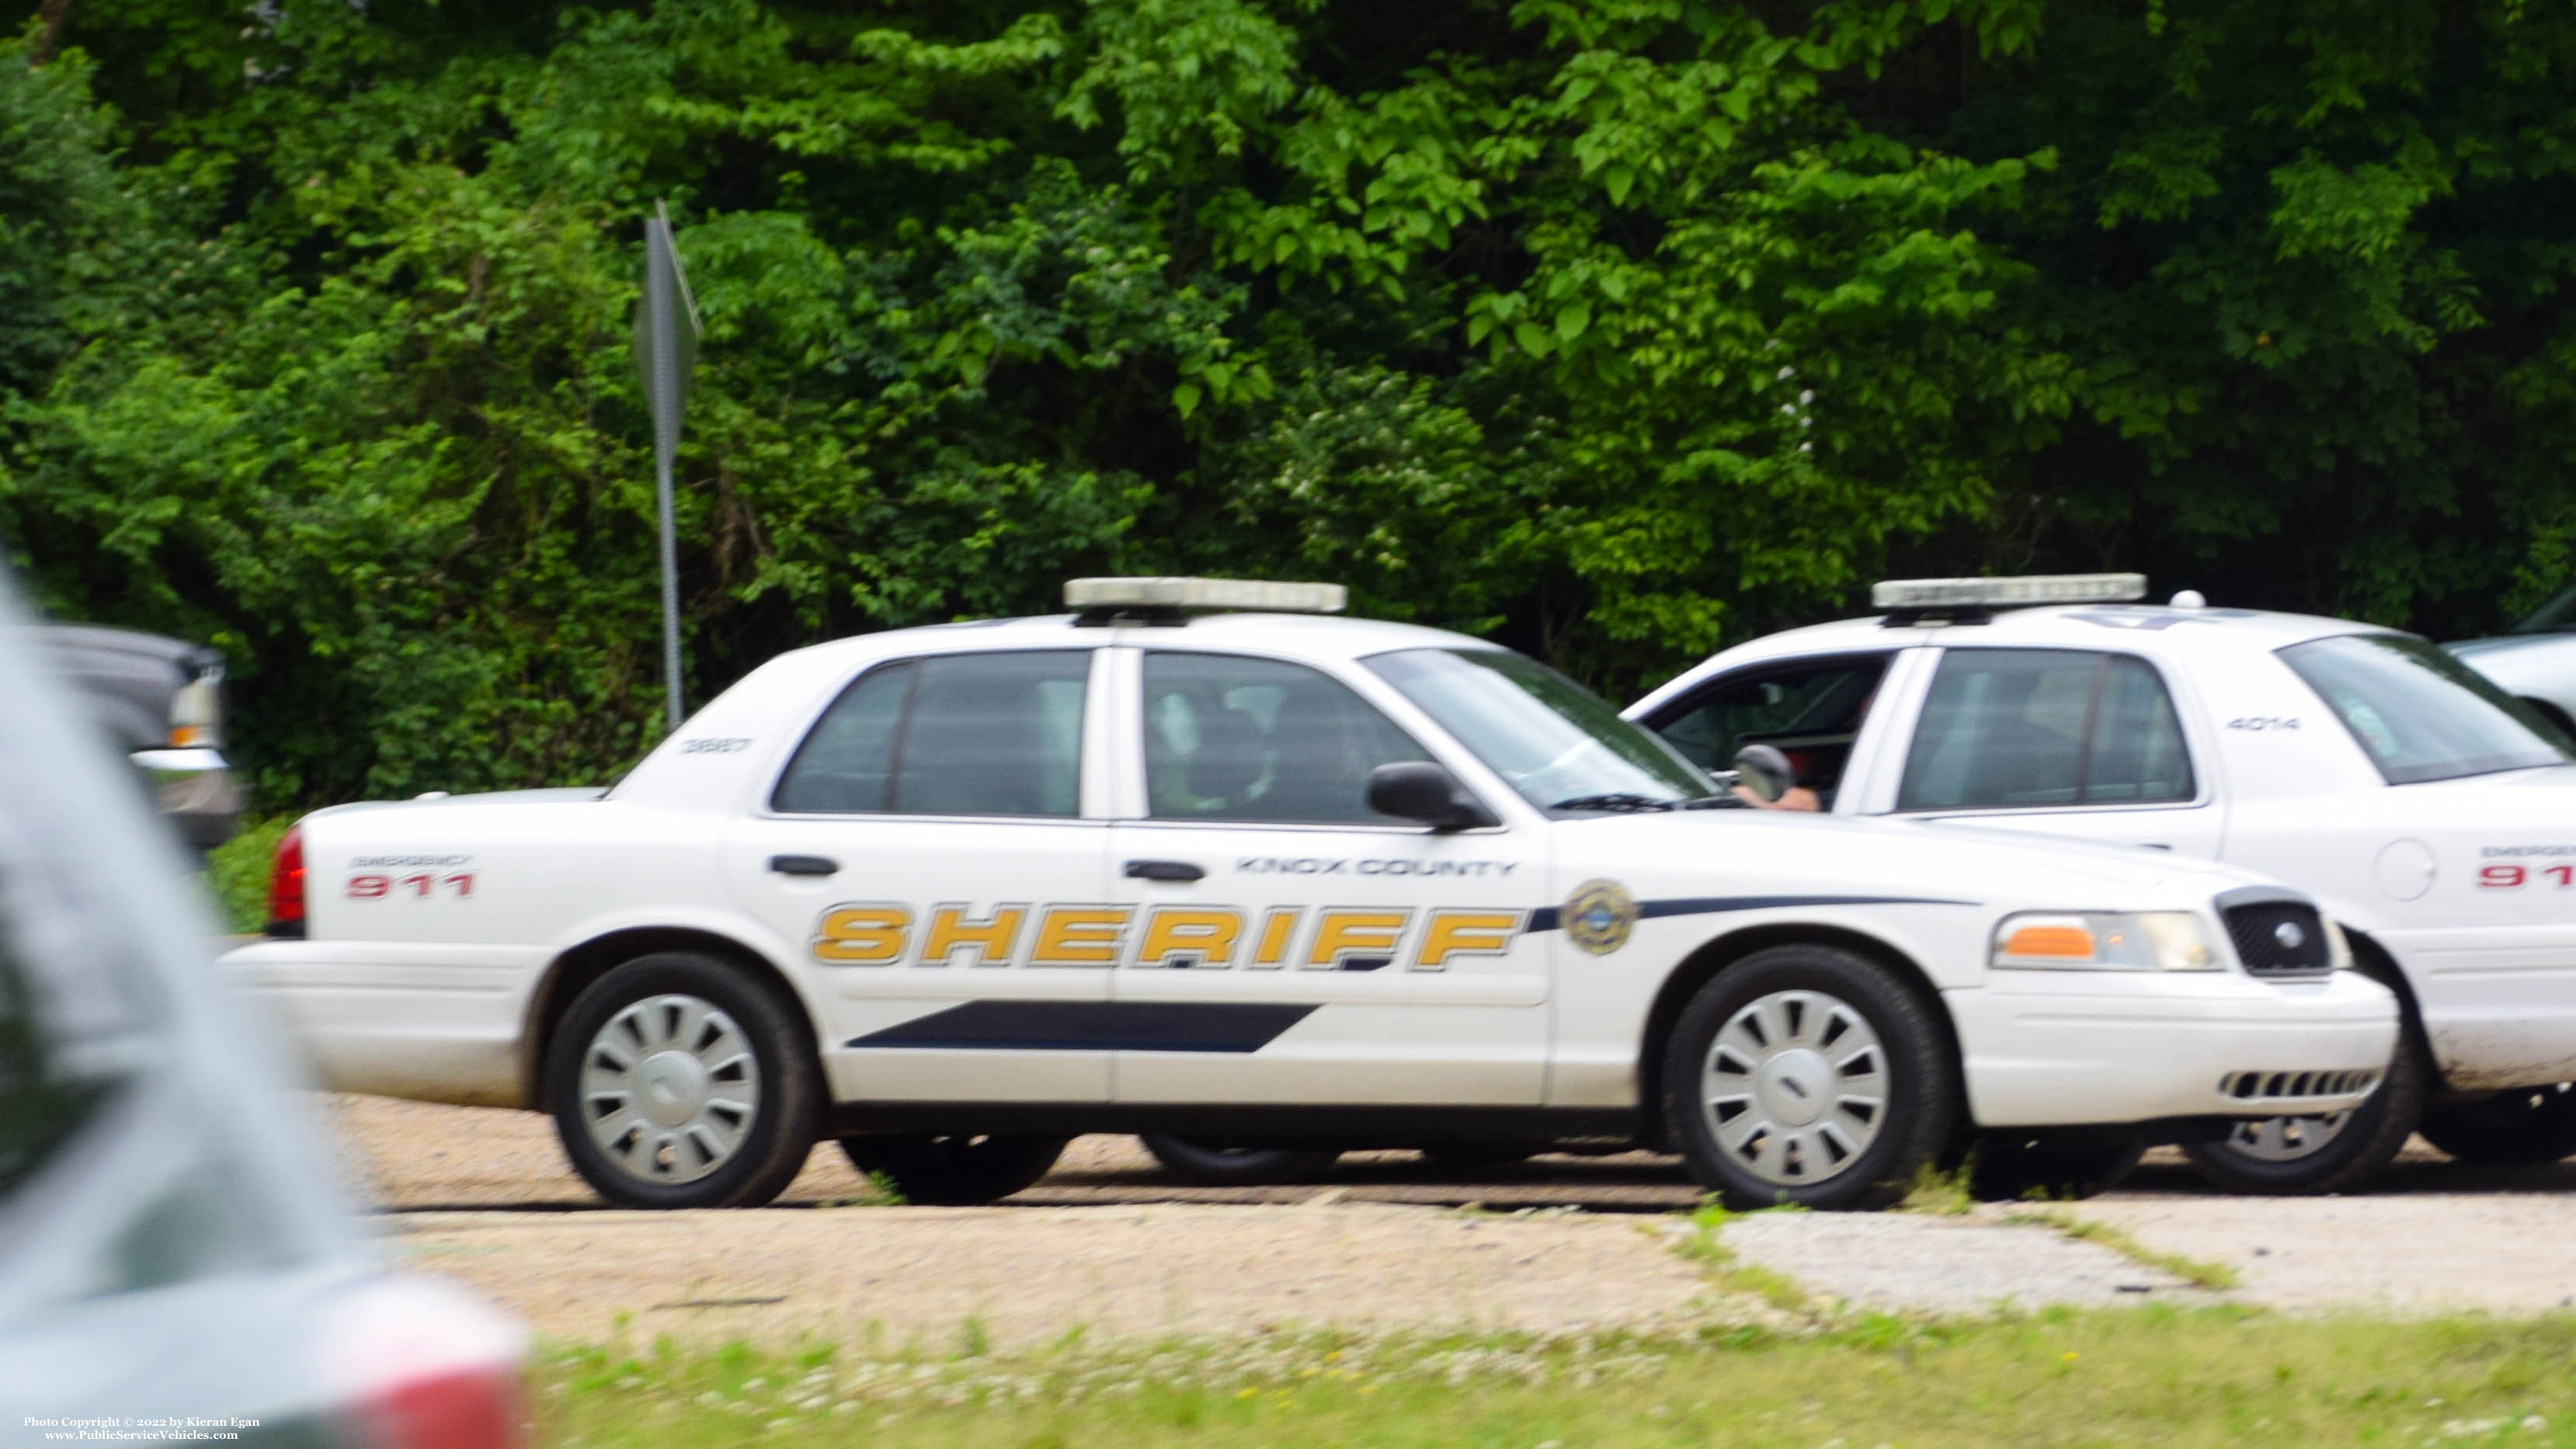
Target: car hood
(126, 678)
(2502, 645)
(1892, 857)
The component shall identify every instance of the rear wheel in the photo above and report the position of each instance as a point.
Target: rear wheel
(957, 1171)
(1210, 1166)
(2330, 1153)
(2522, 1127)
(681, 1081)
(1808, 1074)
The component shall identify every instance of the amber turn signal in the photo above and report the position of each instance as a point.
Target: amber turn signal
(2068, 941)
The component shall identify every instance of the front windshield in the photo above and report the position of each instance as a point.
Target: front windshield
(2419, 713)
(1557, 744)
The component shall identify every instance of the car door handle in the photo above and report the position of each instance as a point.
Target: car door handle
(1164, 870)
(804, 865)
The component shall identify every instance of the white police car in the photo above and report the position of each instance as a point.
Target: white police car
(951, 895)
(2426, 810)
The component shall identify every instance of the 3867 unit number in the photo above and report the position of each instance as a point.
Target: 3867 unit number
(2514, 877)
(426, 883)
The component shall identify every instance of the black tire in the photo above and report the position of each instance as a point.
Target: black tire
(773, 1138)
(1874, 1161)
(954, 1171)
(2524, 1127)
(2367, 1141)
(2059, 1166)
(1203, 1165)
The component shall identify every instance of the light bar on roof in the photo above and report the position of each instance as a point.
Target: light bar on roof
(2004, 593)
(1266, 596)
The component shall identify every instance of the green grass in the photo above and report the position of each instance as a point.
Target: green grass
(237, 873)
(2191, 1270)
(2145, 1376)
(1941, 1194)
(1705, 1245)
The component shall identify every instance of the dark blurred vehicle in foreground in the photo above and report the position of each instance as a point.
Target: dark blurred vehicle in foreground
(175, 1263)
(161, 700)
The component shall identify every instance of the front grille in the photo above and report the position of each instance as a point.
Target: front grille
(2279, 938)
(2291, 1086)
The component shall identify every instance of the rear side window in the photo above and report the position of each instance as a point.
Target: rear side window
(1233, 738)
(2032, 728)
(954, 734)
(2420, 714)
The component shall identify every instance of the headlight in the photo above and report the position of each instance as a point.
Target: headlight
(197, 710)
(2146, 941)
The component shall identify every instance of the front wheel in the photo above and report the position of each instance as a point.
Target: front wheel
(681, 1081)
(954, 1171)
(2520, 1128)
(2330, 1153)
(1808, 1074)
(1203, 1165)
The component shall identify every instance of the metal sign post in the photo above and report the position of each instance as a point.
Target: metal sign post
(666, 348)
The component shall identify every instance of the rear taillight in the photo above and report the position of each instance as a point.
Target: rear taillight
(286, 885)
(469, 1409)
(421, 1364)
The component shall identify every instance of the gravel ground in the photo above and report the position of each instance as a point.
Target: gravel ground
(1907, 1262)
(1105, 1242)
(2405, 1253)
(1026, 1275)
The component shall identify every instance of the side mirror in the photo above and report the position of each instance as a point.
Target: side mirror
(1421, 790)
(1764, 771)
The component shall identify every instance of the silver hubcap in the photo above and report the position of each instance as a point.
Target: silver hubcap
(669, 1089)
(1795, 1087)
(2286, 1139)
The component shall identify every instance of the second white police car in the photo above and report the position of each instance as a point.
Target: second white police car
(1268, 880)
(2428, 811)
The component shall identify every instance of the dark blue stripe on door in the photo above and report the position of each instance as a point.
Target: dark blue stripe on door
(1123, 1026)
(1545, 918)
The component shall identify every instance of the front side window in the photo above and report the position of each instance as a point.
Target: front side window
(2033, 728)
(1552, 739)
(2419, 713)
(953, 734)
(1235, 738)
(1811, 712)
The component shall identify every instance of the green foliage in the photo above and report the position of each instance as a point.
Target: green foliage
(237, 873)
(2306, 266)
(1615, 330)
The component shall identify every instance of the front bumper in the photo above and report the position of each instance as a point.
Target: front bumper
(194, 790)
(2064, 1048)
